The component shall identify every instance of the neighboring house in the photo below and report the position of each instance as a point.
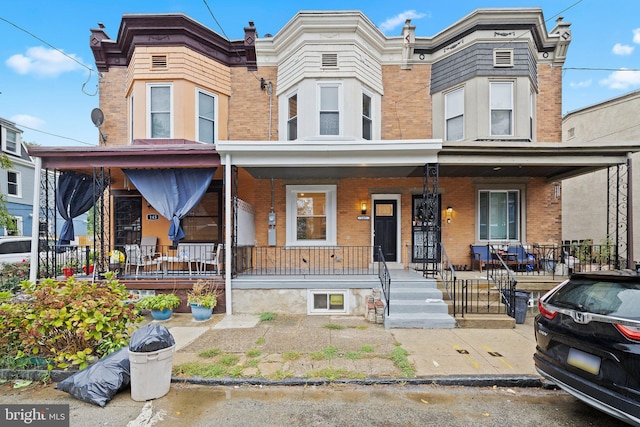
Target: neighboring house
(583, 219)
(329, 140)
(16, 183)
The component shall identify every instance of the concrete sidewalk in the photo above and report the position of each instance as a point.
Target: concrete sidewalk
(303, 346)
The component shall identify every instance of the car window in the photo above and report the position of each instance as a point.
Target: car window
(15, 247)
(618, 299)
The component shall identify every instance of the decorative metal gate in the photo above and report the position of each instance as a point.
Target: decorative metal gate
(431, 221)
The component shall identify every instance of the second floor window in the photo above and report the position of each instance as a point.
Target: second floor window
(329, 110)
(292, 118)
(160, 111)
(367, 122)
(11, 142)
(501, 108)
(206, 117)
(13, 183)
(454, 115)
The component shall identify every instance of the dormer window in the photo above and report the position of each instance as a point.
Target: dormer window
(11, 142)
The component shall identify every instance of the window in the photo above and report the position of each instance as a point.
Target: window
(329, 110)
(292, 119)
(13, 183)
(311, 215)
(367, 122)
(11, 142)
(206, 117)
(501, 108)
(326, 301)
(531, 110)
(454, 115)
(160, 106)
(499, 214)
(202, 224)
(16, 227)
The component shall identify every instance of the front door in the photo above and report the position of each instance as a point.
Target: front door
(127, 226)
(385, 229)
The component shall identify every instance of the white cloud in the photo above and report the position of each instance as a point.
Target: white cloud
(622, 79)
(622, 49)
(399, 20)
(43, 62)
(584, 83)
(636, 36)
(27, 120)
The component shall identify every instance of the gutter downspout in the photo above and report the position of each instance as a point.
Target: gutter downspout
(35, 222)
(227, 233)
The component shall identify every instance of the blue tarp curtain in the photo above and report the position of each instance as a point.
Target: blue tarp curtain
(76, 194)
(172, 192)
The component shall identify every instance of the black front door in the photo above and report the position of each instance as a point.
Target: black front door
(127, 220)
(385, 229)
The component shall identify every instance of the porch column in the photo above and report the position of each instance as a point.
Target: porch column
(35, 222)
(227, 233)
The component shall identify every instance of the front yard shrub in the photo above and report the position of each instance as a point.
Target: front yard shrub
(68, 323)
(12, 274)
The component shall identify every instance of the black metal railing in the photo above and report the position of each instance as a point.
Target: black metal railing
(311, 260)
(385, 278)
(447, 274)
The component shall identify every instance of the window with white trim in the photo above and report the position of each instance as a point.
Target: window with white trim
(14, 187)
(367, 121)
(206, 112)
(329, 109)
(11, 142)
(501, 94)
(454, 115)
(311, 215)
(160, 110)
(499, 215)
(17, 227)
(292, 118)
(322, 301)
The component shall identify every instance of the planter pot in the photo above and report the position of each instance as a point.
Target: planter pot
(200, 313)
(68, 271)
(89, 271)
(161, 315)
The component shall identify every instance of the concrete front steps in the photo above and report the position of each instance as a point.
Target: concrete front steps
(416, 302)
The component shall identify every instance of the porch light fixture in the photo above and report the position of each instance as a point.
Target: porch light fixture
(363, 208)
(449, 212)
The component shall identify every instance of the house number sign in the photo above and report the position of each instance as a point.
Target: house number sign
(152, 217)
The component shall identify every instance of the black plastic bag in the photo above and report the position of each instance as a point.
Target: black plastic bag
(150, 338)
(101, 381)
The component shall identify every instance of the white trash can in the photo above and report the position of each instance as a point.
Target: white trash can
(151, 373)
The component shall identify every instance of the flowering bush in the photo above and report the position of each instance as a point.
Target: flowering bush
(12, 274)
(116, 256)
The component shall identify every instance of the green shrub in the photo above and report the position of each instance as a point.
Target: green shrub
(159, 302)
(68, 323)
(12, 274)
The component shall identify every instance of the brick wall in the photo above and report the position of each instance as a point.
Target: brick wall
(549, 104)
(249, 106)
(113, 104)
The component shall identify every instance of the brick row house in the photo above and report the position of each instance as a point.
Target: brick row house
(328, 147)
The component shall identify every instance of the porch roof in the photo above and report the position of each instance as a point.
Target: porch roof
(131, 156)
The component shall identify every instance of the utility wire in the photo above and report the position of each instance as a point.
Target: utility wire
(53, 134)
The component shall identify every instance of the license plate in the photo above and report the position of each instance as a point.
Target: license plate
(585, 361)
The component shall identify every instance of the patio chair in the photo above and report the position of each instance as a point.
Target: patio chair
(212, 257)
(138, 257)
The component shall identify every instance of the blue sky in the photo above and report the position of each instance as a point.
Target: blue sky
(50, 96)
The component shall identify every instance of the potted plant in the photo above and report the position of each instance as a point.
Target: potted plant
(116, 257)
(69, 268)
(160, 305)
(88, 269)
(202, 298)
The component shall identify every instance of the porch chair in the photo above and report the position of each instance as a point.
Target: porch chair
(190, 253)
(143, 255)
(212, 256)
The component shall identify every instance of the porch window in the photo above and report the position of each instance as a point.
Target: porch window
(499, 214)
(292, 120)
(329, 110)
(311, 215)
(11, 142)
(326, 301)
(13, 184)
(159, 101)
(454, 115)
(367, 122)
(501, 108)
(206, 117)
(202, 224)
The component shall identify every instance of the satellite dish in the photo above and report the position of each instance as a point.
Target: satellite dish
(97, 117)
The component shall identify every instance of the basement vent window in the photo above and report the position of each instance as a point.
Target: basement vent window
(323, 301)
(330, 60)
(503, 58)
(159, 61)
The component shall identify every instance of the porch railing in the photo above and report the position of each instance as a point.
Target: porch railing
(385, 278)
(447, 273)
(311, 260)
